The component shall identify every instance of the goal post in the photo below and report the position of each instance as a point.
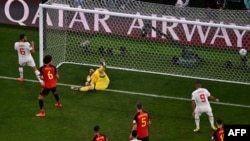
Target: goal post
(159, 44)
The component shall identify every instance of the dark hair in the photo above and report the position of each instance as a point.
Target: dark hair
(96, 128)
(134, 133)
(198, 82)
(21, 36)
(47, 59)
(219, 121)
(139, 106)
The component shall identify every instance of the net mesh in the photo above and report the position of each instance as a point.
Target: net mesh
(160, 47)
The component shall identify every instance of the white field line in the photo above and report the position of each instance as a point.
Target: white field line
(137, 93)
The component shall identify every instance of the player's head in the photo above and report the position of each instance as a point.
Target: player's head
(47, 59)
(219, 121)
(134, 133)
(198, 84)
(22, 37)
(139, 106)
(91, 70)
(96, 128)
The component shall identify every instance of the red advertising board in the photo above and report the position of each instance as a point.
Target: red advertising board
(25, 13)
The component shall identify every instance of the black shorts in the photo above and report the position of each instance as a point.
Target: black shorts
(45, 91)
(143, 139)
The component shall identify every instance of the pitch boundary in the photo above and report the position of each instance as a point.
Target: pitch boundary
(138, 93)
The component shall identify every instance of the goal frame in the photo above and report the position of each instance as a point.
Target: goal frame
(143, 17)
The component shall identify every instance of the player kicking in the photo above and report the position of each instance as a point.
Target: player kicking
(24, 50)
(50, 75)
(200, 104)
(99, 80)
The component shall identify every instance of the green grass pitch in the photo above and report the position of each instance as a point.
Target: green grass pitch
(113, 110)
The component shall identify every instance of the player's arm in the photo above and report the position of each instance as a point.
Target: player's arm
(94, 78)
(32, 44)
(41, 74)
(213, 138)
(193, 107)
(103, 67)
(88, 80)
(134, 127)
(213, 98)
(94, 138)
(106, 139)
(57, 75)
(15, 46)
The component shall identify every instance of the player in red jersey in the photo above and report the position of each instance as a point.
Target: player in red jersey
(50, 75)
(218, 135)
(140, 123)
(98, 136)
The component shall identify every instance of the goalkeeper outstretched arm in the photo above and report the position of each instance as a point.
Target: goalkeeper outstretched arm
(103, 67)
(99, 80)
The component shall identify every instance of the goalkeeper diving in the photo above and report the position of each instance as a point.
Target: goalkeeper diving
(96, 79)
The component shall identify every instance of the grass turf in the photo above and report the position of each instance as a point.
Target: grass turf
(171, 119)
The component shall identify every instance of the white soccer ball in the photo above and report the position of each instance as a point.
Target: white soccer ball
(243, 52)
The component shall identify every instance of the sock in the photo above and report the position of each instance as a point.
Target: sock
(20, 71)
(38, 75)
(84, 88)
(211, 120)
(197, 121)
(56, 97)
(41, 104)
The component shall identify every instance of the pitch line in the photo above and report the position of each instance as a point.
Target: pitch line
(137, 93)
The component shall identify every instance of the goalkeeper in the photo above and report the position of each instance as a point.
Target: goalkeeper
(96, 80)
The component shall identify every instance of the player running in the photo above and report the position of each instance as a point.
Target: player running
(99, 80)
(24, 50)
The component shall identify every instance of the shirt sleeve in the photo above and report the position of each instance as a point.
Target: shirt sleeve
(207, 93)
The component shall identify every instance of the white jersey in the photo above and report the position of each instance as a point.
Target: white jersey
(200, 96)
(23, 49)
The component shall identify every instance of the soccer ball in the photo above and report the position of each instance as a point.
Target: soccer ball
(243, 52)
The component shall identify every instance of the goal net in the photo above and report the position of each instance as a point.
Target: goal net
(145, 37)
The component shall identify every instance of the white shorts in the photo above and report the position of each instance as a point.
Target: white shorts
(27, 62)
(203, 109)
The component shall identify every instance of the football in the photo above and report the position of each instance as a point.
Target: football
(243, 52)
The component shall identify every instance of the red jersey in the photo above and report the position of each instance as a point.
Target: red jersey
(49, 72)
(141, 119)
(218, 135)
(99, 137)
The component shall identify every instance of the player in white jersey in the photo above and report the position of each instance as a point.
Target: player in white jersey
(200, 104)
(24, 50)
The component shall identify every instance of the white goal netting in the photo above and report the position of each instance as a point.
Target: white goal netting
(146, 37)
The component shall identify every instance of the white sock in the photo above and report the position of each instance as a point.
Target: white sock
(38, 75)
(20, 71)
(197, 121)
(211, 120)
